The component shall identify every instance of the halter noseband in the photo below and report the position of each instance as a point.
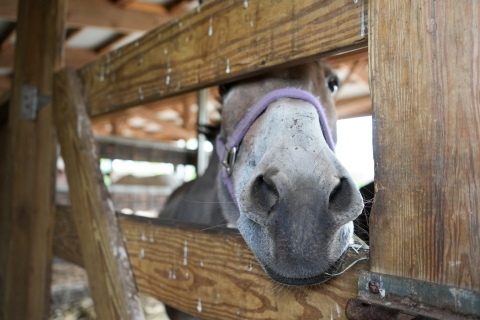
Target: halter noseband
(227, 152)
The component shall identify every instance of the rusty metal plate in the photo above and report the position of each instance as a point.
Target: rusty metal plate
(383, 296)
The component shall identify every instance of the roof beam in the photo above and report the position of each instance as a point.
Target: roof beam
(97, 13)
(75, 58)
(146, 7)
(8, 37)
(354, 107)
(168, 128)
(111, 44)
(336, 61)
(5, 83)
(122, 2)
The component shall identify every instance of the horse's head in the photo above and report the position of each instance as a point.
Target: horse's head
(296, 201)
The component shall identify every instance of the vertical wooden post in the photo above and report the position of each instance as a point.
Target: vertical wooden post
(103, 249)
(27, 211)
(424, 61)
(202, 119)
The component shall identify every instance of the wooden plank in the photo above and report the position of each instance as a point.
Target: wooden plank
(146, 7)
(5, 84)
(8, 38)
(426, 107)
(122, 3)
(131, 149)
(4, 105)
(345, 58)
(184, 264)
(105, 259)
(74, 58)
(168, 128)
(5, 219)
(97, 13)
(222, 41)
(65, 242)
(27, 182)
(354, 107)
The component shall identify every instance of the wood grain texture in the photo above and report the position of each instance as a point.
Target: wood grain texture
(222, 41)
(214, 275)
(132, 149)
(96, 13)
(74, 57)
(216, 267)
(110, 277)
(27, 208)
(4, 105)
(65, 237)
(425, 79)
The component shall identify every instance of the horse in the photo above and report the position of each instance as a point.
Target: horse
(275, 175)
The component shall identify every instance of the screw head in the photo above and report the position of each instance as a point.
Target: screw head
(374, 286)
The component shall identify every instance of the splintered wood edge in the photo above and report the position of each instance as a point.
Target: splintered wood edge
(222, 41)
(212, 273)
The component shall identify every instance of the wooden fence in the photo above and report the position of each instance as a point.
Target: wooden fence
(424, 75)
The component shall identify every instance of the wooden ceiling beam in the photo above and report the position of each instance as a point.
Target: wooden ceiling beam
(180, 7)
(354, 107)
(141, 134)
(146, 7)
(122, 3)
(5, 84)
(71, 34)
(355, 68)
(97, 13)
(168, 128)
(6, 41)
(4, 105)
(336, 61)
(107, 47)
(75, 58)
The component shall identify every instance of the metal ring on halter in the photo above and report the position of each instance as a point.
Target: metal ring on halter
(229, 160)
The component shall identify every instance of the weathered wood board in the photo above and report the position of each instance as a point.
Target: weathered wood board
(212, 273)
(27, 207)
(110, 277)
(425, 84)
(96, 13)
(133, 149)
(222, 41)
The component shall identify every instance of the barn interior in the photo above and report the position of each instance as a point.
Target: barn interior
(162, 135)
(126, 92)
(148, 150)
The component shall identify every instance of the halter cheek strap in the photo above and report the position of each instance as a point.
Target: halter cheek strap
(227, 151)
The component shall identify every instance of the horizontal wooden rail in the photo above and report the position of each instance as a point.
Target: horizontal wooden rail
(112, 147)
(212, 273)
(222, 41)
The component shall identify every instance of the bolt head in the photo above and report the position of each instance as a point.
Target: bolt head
(374, 286)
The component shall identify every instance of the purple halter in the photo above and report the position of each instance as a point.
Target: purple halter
(227, 151)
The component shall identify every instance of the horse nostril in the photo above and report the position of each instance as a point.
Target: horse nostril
(264, 194)
(340, 196)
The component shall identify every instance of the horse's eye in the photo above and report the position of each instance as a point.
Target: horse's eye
(224, 88)
(332, 84)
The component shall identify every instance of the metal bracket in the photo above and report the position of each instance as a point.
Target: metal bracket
(386, 297)
(229, 160)
(31, 102)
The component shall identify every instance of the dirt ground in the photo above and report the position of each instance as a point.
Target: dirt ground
(71, 300)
